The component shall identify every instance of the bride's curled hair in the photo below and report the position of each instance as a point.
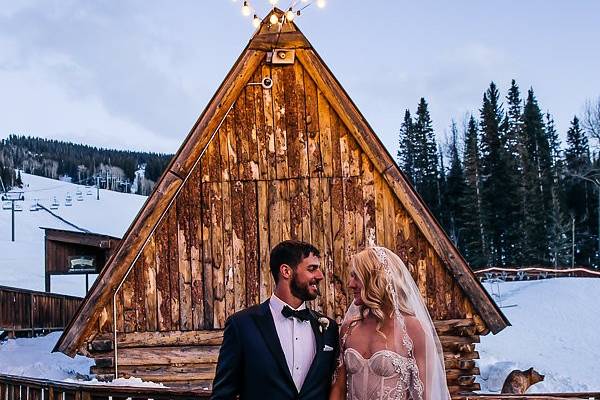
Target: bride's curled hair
(370, 270)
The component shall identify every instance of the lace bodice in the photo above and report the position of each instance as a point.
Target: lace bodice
(386, 375)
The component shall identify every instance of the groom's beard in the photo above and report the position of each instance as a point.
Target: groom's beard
(301, 291)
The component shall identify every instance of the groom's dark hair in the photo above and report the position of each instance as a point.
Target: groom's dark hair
(290, 252)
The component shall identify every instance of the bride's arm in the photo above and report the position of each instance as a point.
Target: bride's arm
(338, 386)
(417, 334)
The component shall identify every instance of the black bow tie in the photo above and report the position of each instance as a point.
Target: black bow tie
(302, 315)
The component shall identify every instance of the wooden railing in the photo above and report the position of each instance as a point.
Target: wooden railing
(25, 311)
(19, 388)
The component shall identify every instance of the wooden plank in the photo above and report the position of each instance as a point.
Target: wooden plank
(238, 245)
(168, 355)
(184, 208)
(279, 122)
(128, 293)
(286, 40)
(317, 231)
(368, 189)
(337, 130)
(241, 136)
(174, 266)
(271, 153)
(296, 217)
(262, 144)
(339, 257)
(251, 243)
(120, 311)
(275, 218)
(195, 238)
(228, 267)
(325, 134)
(315, 162)
(301, 118)
(328, 284)
(294, 137)
(217, 255)
(159, 339)
(149, 277)
(284, 206)
(206, 258)
(265, 279)
(251, 139)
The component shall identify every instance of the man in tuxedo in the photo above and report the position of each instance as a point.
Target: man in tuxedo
(280, 349)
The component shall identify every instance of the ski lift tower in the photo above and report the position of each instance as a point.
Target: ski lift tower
(12, 197)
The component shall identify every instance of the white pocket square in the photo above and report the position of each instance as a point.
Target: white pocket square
(327, 348)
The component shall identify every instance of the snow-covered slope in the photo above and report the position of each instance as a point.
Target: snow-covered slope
(554, 329)
(22, 261)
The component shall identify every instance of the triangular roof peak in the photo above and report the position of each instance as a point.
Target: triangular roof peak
(284, 34)
(267, 38)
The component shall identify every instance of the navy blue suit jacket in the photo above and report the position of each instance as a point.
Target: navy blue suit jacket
(252, 364)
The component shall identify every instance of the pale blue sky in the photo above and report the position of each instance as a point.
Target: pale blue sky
(136, 74)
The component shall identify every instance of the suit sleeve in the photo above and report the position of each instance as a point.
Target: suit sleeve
(226, 384)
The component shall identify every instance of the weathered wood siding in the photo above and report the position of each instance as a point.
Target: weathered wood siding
(282, 165)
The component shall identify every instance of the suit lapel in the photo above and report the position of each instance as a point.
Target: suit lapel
(319, 342)
(266, 326)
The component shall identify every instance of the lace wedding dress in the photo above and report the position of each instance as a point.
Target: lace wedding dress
(385, 375)
(401, 361)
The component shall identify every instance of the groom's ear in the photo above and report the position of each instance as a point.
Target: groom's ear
(285, 271)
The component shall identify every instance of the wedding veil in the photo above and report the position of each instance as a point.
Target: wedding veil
(414, 338)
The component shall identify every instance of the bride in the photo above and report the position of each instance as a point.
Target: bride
(388, 348)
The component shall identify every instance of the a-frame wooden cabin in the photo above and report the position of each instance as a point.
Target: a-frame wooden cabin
(262, 164)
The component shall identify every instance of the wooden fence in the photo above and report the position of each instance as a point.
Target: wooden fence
(26, 312)
(19, 388)
(533, 273)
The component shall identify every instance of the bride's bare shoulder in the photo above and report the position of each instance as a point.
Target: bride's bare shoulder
(412, 323)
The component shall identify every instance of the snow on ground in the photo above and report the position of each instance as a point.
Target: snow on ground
(554, 329)
(22, 261)
(34, 358)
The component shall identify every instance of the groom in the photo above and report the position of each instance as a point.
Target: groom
(280, 349)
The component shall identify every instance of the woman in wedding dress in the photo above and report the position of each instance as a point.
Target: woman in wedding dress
(389, 348)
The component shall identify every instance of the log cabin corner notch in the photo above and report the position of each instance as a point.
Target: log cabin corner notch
(294, 160)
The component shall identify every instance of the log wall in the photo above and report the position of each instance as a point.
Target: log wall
(282, 165)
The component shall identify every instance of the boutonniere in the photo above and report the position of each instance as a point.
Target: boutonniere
(323, 324)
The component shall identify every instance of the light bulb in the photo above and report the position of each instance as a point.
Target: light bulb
(256, 21)
(274, 19)
(289, 15)
(245, 9)
(320, 3)
(273, 2)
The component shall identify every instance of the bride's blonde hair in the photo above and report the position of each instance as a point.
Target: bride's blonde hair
(376, 295)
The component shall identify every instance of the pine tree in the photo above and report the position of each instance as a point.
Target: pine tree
(406, 150)
(537, 183)
(425, 158)
(559, 223)
(455, 192)
(579, 196)
(475, 250)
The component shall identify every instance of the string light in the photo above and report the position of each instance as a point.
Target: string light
(290, 15)
(246, 9)
(256, 21)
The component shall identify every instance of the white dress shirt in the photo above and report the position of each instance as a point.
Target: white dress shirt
(297, 340)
